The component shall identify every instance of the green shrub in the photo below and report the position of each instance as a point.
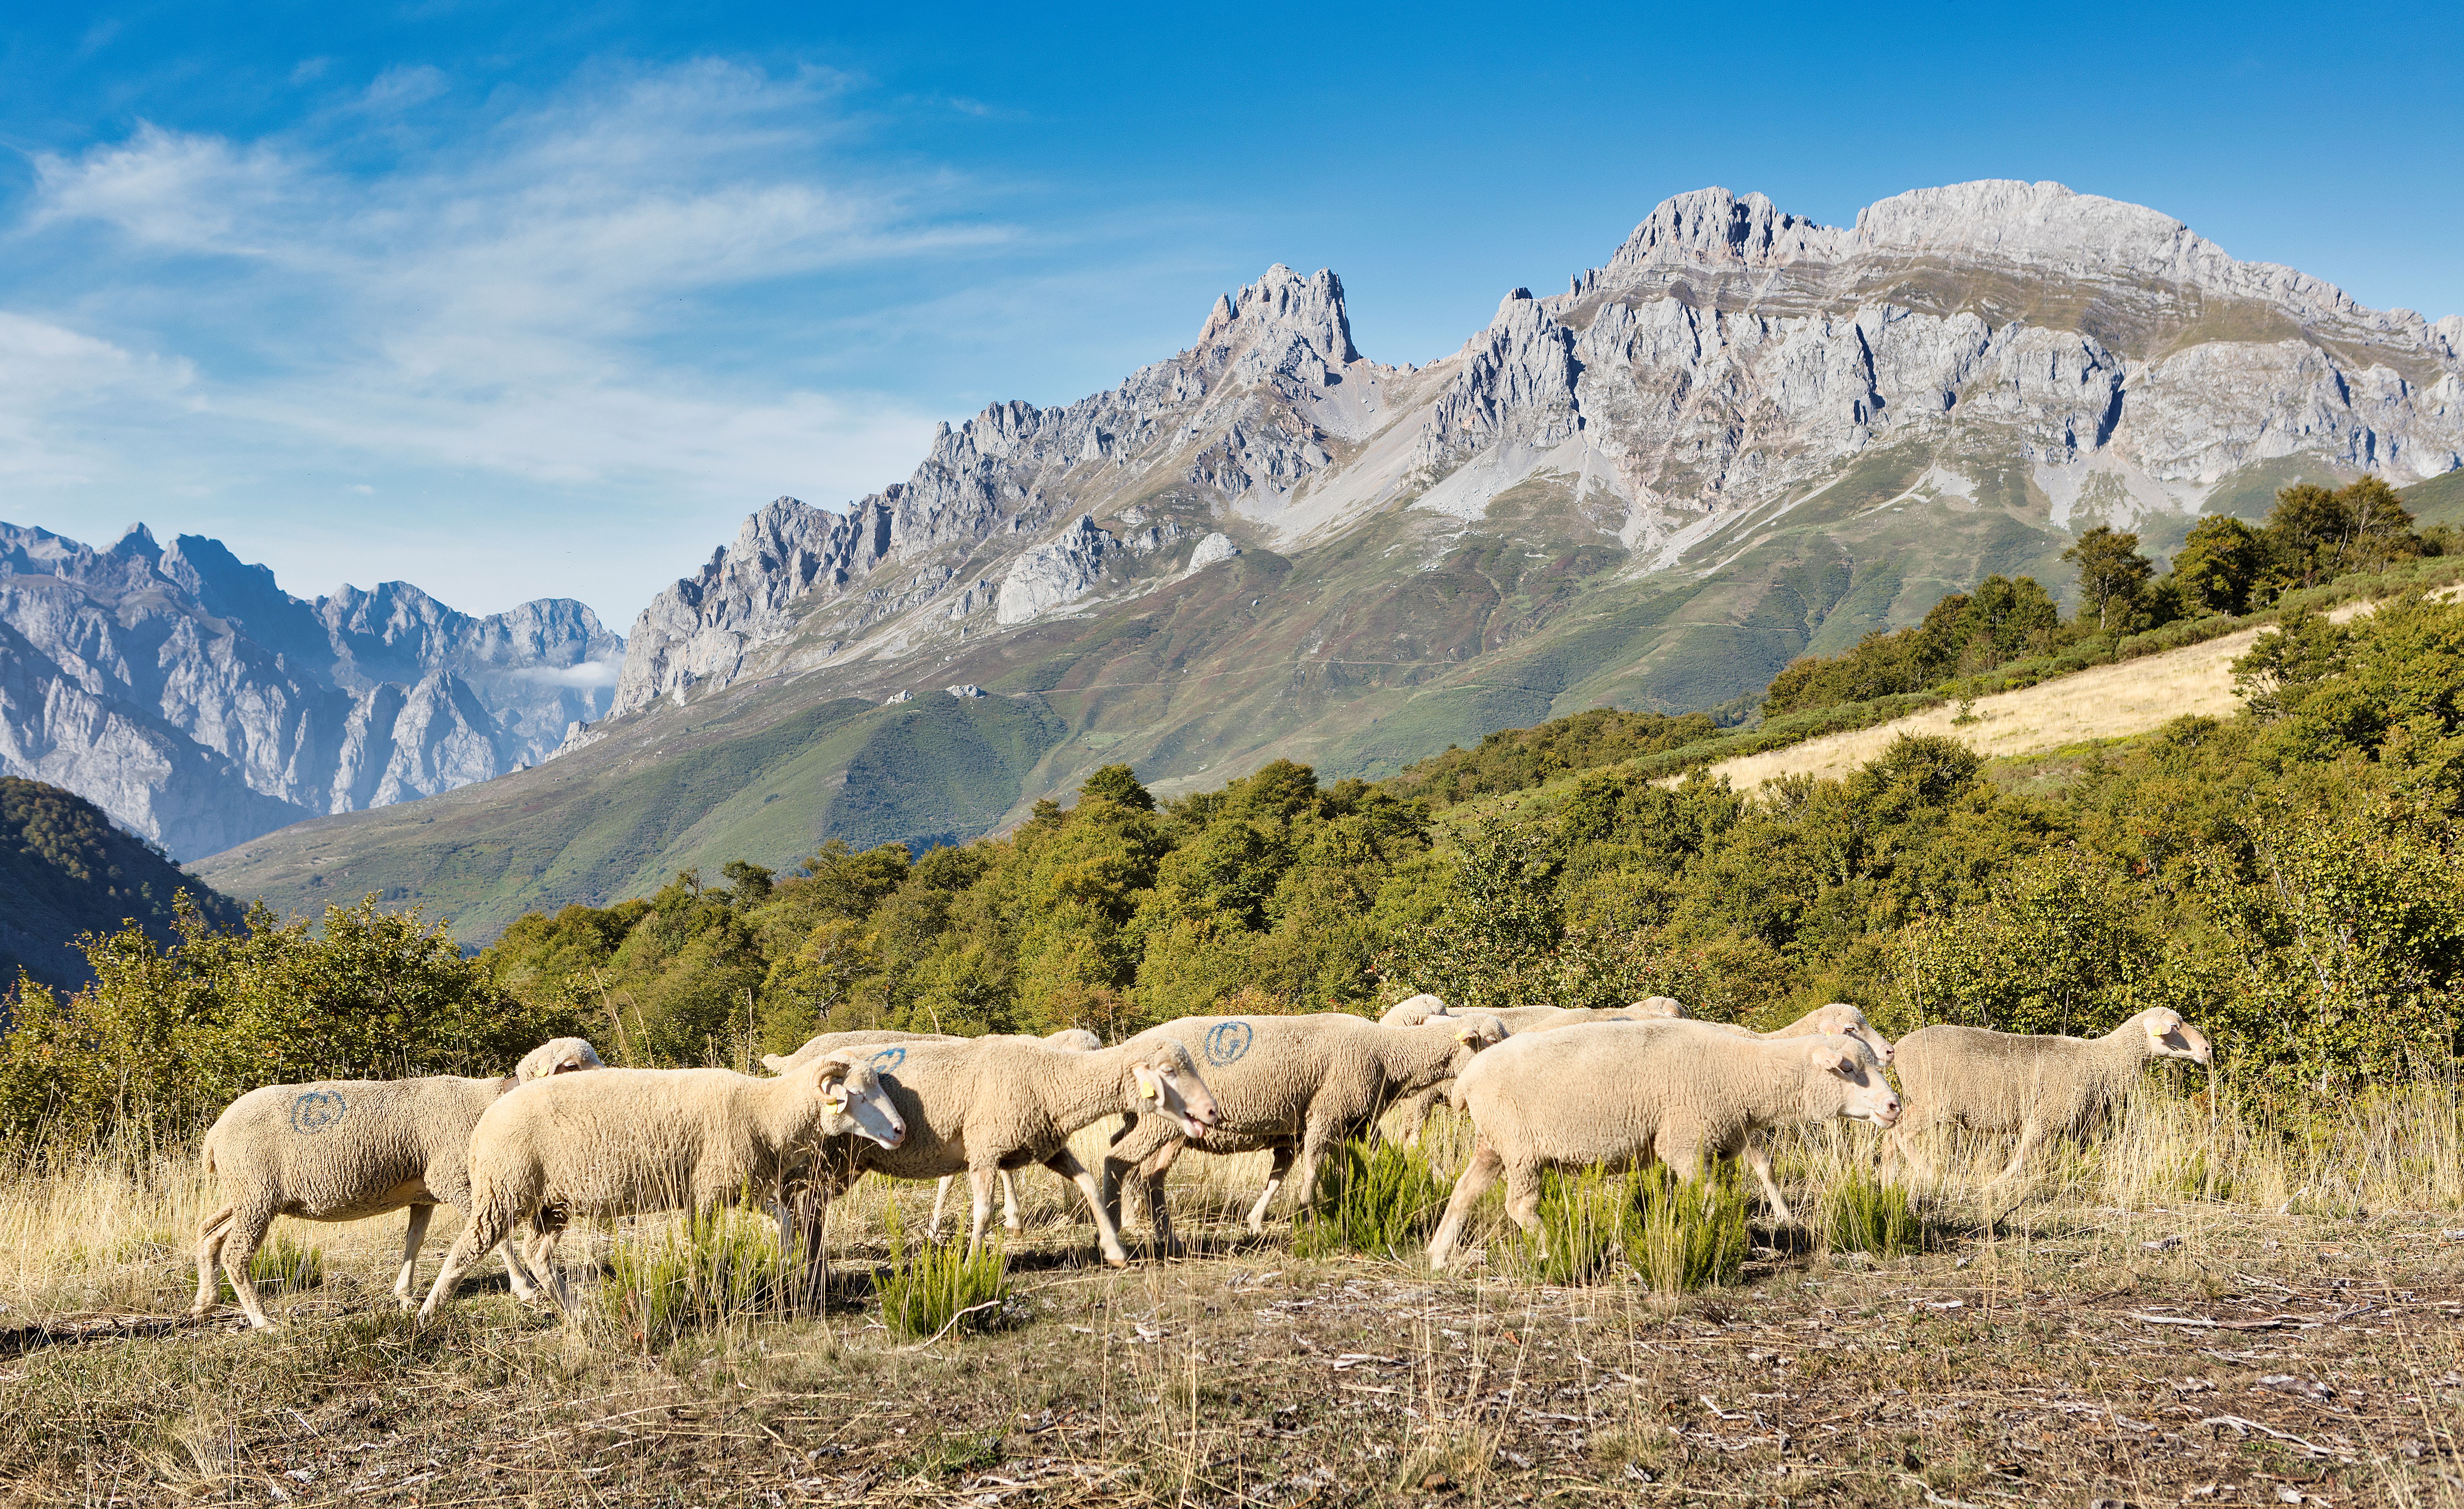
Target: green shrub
(712, 1270)
(1383, 1201)
(1584, 1221)
(1860, 1213)
(936, 1285)
(1689, 1236)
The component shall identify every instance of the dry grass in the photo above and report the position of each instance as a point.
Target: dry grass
(2106, 702)
(2199, 1309)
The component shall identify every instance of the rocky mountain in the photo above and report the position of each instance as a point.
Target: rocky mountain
(199, 704)
(1742, 437)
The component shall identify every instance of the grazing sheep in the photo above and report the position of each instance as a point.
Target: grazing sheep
(982, 1104)
(347, 1149)
(1070, 1040)
(1297, 1086)
(624, 1142)
(2036, 1086)
(1414, 1010)
(1623, 1094)
(1659, 1006)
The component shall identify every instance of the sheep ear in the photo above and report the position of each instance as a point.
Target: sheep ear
(1148, 1084)
(1840, 1061)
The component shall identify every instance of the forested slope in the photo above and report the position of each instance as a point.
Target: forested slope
(65, 869)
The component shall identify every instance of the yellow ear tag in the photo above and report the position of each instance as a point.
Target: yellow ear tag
(1147, 1089)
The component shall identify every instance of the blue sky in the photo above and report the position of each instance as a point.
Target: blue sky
(514, 301)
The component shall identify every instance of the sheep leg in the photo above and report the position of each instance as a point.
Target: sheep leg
(1108, 1235)
(240, 1241)
(209, 1252)
(940, 1198)
(1477, 1176)
(1523, 1202)
(414, 1231)
(1166, 1243)
(1129, 1152)
(2031, 1137)
(1416, 1111)
(1009, 1203)
(1758, 1159)
(1284, 1152)
(812, 1209)
(979, 1189)
(480, 1234)
(1899, 1146)
(1318, 1139)
(517, 1271)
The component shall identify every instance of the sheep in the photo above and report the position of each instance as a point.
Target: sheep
(1622, 1094)
(1297, 1086)
(2036, 1086)
(1070, 1040)
(1414, 1010)
(346, 1149)
(625, 1141)
(982, 1104)
(1413, 1113)
(1837, 1019)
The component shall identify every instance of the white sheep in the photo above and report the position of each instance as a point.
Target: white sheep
(628, 1142)
(1837, 1019)
(1412, 1114)
(1295, 1085)
(1620, 1094)
(2038, 1086)
(1070, 1040)
(1414, 1010)
(347, 1149)
(979, 1106)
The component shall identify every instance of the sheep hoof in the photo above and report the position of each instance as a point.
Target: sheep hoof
(1110, 1261)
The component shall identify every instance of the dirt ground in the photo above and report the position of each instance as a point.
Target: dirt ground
(2206, 1357)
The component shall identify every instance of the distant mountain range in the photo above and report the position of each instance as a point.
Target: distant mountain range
(1742, 436)
(200, 705)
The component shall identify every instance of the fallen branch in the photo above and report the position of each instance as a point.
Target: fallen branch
(2246, 1426)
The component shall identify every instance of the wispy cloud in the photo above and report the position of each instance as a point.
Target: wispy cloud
(583, 290)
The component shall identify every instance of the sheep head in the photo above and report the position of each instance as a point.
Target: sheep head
(1666, 1006)
(1075, 1039)
(557, 1055)
(2168, 1036)
(1868, 1096)
(1168, 1085)
(854, 1100)
(1471, 1033)
(1839, 1019)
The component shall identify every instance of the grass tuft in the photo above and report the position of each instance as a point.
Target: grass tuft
(937, 1285)
(701, 1272)
(1689, 1236)
(1382, 1201)
(1860, 1213)
(279, 1265)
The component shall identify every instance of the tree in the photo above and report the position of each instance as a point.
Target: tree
(2318, 535)
(2219, 564)
(2111, 569)
(1117, 783)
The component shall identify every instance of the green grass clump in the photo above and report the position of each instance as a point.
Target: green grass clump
(1689, 1236)
(1860, 1213)
(1383, 1201)
(705, 1271)
(279, 1265)
(936, 1285)
(1675, 1235)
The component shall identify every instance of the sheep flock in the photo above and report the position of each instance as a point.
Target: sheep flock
(1544, 1088)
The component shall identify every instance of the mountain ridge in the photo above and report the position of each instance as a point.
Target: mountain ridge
(1742, 436)
(200, 705)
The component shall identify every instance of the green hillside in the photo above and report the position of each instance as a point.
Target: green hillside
(2440, 500)
(610, 821)
(65, 869)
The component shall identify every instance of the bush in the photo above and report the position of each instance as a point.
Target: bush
(1860, 1213)
(167, 1036)
(708, 1270)
(937, 1286)
(1383, 1201)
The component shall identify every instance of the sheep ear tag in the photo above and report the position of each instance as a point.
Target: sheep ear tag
(1146, 1085)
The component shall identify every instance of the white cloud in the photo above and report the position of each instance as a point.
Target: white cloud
(585, 293)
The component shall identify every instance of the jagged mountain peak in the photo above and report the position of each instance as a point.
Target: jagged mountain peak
(181, 690)
(1283, 304)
